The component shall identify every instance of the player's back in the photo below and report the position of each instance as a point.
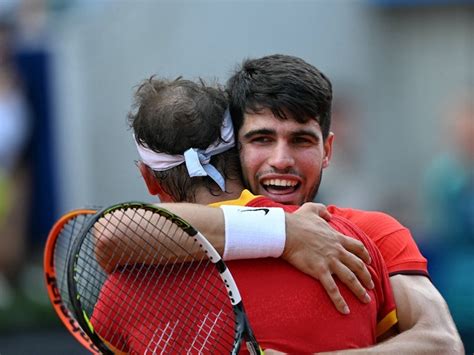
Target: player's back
(165, 309)
(291, 312)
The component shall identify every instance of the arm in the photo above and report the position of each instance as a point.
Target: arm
(425, 324)
(114, 247)
(305, 248)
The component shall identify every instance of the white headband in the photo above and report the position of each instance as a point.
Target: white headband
(197, 160)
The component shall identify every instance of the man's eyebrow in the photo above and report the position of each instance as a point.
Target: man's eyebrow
(261, 131)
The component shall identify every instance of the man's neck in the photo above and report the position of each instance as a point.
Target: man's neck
(233, 190)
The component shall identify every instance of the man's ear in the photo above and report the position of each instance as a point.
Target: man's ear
(154, 187)
(328, 149)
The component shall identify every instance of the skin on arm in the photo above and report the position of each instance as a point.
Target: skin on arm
(116, 246)
(312, 246)
(425, 324)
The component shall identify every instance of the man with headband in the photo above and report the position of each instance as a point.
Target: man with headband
(185, 140)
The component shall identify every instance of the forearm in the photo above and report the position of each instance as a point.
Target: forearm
(115, 247)
(208, 220)
(114, 244)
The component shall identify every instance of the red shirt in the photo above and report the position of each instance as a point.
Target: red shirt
(288, 310)
(302, 318)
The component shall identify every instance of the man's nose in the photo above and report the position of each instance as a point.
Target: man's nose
(281, 157)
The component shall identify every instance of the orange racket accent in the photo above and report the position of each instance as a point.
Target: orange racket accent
(55, 293)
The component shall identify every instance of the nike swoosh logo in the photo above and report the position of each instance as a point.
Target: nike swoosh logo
(266, 210)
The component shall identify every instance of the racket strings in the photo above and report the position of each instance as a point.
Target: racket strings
(89, 276)
(203, 287)
(146, 240)
(206, 327)
(188, 269)
(61, 251)
(149, 277)
(159, 295)
(178, 335)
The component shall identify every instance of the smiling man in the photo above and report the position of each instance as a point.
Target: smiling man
(281, 108)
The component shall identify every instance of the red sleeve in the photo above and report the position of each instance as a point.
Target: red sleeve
(395, 242)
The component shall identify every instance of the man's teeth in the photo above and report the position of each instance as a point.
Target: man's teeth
(279, 182)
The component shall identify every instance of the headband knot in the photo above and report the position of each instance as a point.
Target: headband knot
(197, 160)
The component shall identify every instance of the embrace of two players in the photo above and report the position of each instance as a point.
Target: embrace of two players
(313, 278)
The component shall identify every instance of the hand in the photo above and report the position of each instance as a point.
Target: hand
(318, 250)
(313, 207)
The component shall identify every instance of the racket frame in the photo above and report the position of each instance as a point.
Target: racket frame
(243, 329)
(50, 277)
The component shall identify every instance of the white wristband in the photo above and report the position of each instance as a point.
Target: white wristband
(253, 232)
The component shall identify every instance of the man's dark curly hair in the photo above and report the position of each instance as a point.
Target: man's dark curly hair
(171, 116)
(286, 85)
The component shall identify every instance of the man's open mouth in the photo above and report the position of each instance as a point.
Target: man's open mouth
(280, 186)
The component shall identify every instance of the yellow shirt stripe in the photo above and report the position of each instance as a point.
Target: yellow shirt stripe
(245, 197)
(386, 323)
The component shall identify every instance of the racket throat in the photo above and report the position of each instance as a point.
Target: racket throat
(245, 331)
(253, 349)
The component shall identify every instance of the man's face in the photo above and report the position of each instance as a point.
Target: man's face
(283, 159)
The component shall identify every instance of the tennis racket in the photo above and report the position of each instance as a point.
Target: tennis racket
(142, 280)
(56, 250)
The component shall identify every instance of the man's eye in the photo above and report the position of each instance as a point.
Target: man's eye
(261, 140)
(301, 141)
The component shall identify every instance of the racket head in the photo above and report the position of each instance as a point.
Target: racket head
(179, 297)
(57, 247)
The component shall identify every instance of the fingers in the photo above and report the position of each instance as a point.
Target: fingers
(358, 271)
(332, 290)
(352, 282)
(324, 213)
(317, 208)
(352, 259)
(356, 248)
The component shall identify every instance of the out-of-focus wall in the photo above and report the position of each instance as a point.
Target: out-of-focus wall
(422, 60)
(401, 62)
(102, 53)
